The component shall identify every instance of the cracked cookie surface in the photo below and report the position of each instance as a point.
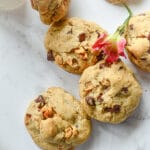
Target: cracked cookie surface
(109, 92)
(138, 40)
(57, 121)
(51, 10)
(69, 43)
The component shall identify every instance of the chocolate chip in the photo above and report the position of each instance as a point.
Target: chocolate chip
(27, 119)
(125, 89)
(69, 32)
(131, 26)
(101, 66)
(98, 34)
(81, 37)
(100, 56)
(28, 115)
(108, 109)
(99, 98)
(41, 101)
(50, 56)
(116, 108)
(90, 101)
(120, 68)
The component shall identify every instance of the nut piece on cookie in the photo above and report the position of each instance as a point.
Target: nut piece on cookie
(69, 43)
(138, 40)
(60, 122)
(51, 10)
(109, 93)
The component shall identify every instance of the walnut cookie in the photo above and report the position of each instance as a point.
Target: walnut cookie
(51, 10)
(69, 42)
(138, 40)
(57, 121)
(109, 92)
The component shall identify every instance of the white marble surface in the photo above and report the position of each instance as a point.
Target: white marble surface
(24, 73)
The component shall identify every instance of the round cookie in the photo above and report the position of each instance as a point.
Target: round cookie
(51, 10)
(138, 40)
(57, 121)
(69, 42)
(109, 92)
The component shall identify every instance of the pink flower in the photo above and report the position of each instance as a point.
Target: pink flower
(113, 46)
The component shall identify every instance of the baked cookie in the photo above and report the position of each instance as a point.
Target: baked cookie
(69, 42)
(138, 40)
(57, 121)
(51, 10)
(117, 1)
(109, 92)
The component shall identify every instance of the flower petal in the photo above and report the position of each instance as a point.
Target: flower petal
(121, 45)
(100, 42)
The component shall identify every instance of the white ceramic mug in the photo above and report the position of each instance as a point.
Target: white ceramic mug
(10, 4)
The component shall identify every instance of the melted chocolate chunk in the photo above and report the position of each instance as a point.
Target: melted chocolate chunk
(101, 66)
(41, 101)
(28, 115)
(82, 37)
(131, 26)
(69, 32)
(99, 98)
(50, 56)
(101, 56)
(120, 68)
(90, 100)
(124, 89)
(116, 108)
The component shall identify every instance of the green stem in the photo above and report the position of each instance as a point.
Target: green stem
(121, 29)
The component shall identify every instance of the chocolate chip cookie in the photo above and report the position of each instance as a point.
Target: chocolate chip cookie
(51, 10)
(57, 121)
(138, 40)
(109, 92)
(69, 43)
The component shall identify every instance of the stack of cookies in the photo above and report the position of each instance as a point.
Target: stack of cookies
(109, 93)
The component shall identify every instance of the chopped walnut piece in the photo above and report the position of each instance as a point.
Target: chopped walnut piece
(82, 37)
(59, 59)
(90, 100)
(27, 119)
(105, 83)
(48, 112)
(68, 132)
